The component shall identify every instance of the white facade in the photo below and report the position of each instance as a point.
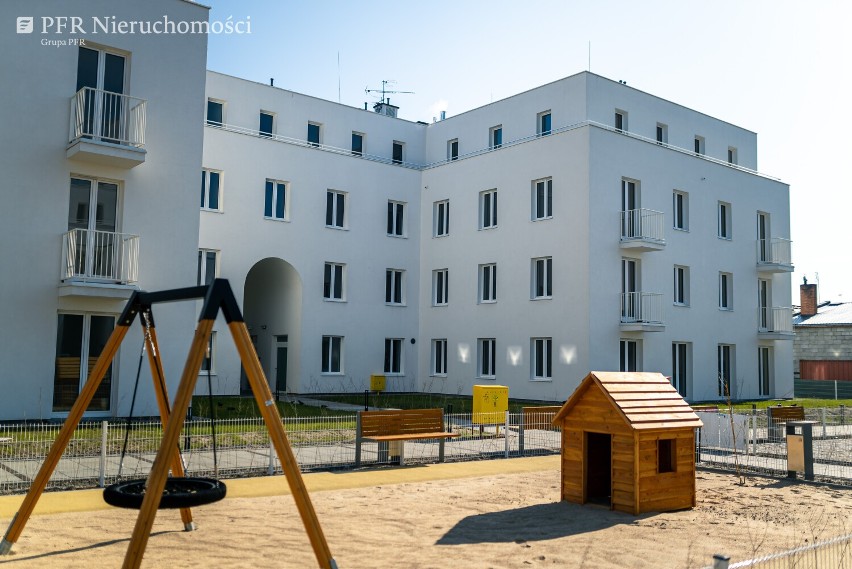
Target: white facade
(523, 285)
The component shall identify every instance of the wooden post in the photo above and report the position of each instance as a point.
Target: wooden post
(63, 438)
(162, 392)
(160, 469)
(269, 411)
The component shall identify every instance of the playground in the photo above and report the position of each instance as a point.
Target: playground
(500, 514)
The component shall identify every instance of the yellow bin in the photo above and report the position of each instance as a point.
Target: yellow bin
(490, 403)
(377, 382)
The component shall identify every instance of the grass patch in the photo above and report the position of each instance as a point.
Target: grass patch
(234, 407)
(761, 404)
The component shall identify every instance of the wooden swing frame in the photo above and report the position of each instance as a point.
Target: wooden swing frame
(217, 296)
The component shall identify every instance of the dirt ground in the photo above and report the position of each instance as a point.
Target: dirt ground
(502, 521)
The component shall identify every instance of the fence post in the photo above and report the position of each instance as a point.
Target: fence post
(271, 469)
(506, 434)
(721, 561)
(102, 474)
(843, 414)
(822, 418)
(521, 433)
(835, 390)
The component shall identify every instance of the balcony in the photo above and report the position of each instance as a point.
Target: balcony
(107, 128)
(99, 263)
(642, 312)
(773, 255)
(775, 323)
(642, 230)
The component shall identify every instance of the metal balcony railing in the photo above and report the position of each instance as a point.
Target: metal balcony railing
(108, 117)
(101, 256)
(642, 307)
(645, 224)
(774, 251)
(775, 319)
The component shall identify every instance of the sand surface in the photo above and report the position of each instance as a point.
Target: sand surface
(501, 521)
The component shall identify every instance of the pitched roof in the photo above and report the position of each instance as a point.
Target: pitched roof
(828, 314)
(645, 400)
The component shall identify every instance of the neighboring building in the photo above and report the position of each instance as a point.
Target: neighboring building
(102, 151)
(822, 349)
(580, 225)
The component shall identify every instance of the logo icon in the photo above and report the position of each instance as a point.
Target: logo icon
(25, 25)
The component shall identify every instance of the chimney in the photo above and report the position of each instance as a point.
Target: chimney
(808, 298)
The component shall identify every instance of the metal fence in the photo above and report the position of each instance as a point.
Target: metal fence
(833, 553)
(94, 455)
(750, 442)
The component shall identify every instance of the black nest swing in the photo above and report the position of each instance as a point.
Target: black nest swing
(179, 491)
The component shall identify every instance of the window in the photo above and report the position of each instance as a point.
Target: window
(680, 209)
(357, 144)
(764, 370)
(662, 133)
(266, 120)
(495, 136)
(314, 133)
(398, 152)
(275, 200)
(488, 209)
(102, 113)
(209, 361)
(680, 366)
(439, 357)
(394, 286)
(732, 155)
(629, 358)
(724, 221)
(620, 121)
(441, 218)
(333, 281)
(725, 360)
(393, 356)
(335, 209)
(453, 149)
(486, 357)
(93, 211)
(542, 277)
(332, 354)
(542, 359)
(666, 455)
(488, 283)
(543, 123)
(681, 285)
(211, 190)
(542, 199)
(215, 112)
(440, 287)
(726, 291)
(80, 339)
(699, 145)
(208, 266)
(396, 219)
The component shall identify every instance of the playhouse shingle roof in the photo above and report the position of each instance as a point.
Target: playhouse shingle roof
(645, 400)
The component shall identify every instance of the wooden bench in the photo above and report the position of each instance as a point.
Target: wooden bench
(398, 426)
(778, 417)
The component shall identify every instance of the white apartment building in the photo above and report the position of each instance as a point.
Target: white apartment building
(580, 225)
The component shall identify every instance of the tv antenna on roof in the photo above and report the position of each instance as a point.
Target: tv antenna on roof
(384, 91)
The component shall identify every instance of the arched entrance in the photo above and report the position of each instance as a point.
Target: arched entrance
(273, 313)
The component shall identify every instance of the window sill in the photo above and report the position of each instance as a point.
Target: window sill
(541, 218)
(723, 238)
(282, 219)
(487, 302)
(722, 309)
(337, 228)
(394, 374)
(439, 236)
(438, 375)
(487, 377)
(542, 298)
(338, 300)
(208, 210)
(681, 229)
(332, 374)
(397, 236)
(490, 227)
(395, 304)
(439, 305)
(680, 304)
(541, 379)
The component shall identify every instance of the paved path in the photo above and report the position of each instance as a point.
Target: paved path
(91, 500)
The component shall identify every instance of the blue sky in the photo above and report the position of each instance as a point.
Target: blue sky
(778, 68)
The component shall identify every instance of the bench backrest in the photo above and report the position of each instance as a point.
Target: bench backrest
(786, 413)
(401, 422)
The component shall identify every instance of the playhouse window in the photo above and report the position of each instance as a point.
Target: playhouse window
(666, 455)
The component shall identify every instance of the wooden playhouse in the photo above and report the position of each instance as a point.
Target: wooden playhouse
(628, 442)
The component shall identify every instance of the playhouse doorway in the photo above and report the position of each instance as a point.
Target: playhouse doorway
(598, 469)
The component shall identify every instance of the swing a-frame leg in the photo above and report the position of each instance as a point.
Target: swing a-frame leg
(216, 296)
